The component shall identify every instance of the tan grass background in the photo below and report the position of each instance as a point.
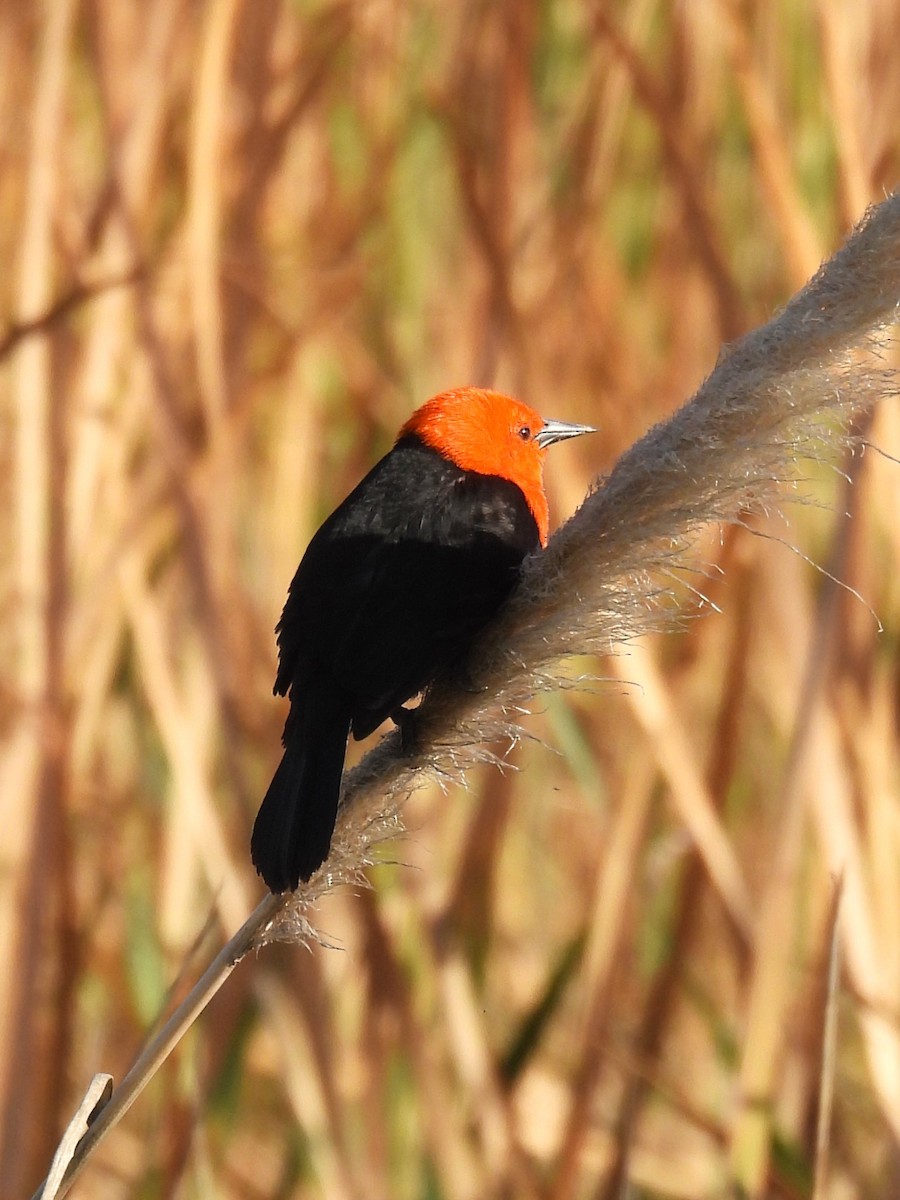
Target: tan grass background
(240, 241)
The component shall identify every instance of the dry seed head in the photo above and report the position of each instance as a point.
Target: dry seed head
(784, 393)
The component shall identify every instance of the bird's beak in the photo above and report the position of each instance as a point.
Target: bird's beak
(558, 431)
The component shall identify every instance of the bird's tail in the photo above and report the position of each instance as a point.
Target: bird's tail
(293, 828)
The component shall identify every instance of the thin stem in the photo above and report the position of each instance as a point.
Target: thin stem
(160, 1047)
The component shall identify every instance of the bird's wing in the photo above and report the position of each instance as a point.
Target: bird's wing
(331, 584)
(424, 604)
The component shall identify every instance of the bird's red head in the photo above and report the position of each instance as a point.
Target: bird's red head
(484, 431)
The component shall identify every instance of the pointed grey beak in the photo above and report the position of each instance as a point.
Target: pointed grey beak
(558, 431)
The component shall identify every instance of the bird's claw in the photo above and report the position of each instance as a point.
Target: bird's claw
(407, 723)
(460, 677)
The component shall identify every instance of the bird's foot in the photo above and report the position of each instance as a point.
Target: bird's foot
(407, 722)
(459, 676)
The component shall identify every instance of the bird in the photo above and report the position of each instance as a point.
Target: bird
(390, 594)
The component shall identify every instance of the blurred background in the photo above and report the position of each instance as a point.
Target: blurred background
(240, 242)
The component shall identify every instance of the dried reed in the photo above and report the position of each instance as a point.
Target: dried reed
(241, 241)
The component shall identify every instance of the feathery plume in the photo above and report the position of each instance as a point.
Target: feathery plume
(784, 393)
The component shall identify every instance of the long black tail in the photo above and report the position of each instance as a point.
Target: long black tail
(292, 832)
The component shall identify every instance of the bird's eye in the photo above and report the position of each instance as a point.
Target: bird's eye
(525, 432)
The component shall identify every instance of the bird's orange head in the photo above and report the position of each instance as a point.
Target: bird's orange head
(484, 431)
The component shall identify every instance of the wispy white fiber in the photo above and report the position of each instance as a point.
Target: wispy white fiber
(783, 394)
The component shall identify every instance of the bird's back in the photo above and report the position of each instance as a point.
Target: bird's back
(398, 581)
